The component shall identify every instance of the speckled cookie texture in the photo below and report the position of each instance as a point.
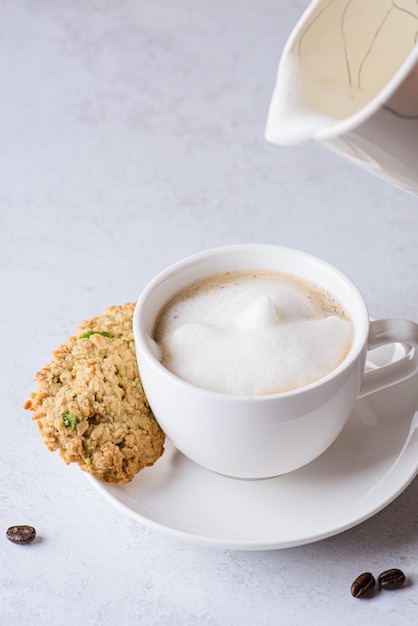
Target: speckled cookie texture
(90, 404)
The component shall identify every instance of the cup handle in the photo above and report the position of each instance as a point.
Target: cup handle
(385, 332)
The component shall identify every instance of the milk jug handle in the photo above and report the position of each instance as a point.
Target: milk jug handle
(386, 332)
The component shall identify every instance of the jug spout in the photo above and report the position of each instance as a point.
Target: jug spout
(291, 120)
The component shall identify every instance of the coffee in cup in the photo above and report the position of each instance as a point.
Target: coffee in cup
(253, 332)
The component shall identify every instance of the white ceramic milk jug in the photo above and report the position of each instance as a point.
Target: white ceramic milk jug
(348, 78)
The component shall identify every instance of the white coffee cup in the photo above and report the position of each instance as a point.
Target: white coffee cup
(265, 435)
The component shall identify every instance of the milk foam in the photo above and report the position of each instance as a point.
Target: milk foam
(253, 335)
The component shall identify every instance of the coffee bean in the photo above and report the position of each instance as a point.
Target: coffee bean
(391, 579)
(21, 534)
(363, 585)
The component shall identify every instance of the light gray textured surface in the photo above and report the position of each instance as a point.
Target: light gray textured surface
(131, 134)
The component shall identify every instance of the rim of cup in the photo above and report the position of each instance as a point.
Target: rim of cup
(143, 330)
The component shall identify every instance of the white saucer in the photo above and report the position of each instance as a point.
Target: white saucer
(371, 463)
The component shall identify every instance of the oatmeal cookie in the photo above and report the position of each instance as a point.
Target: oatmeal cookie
(90, 404)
